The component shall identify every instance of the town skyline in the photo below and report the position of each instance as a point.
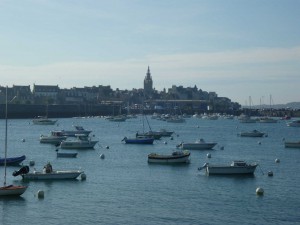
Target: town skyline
(234, 48)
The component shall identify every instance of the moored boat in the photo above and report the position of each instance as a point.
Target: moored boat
(43, 120)
(295, 123)
(253, 133)
(12, 161)
(81, 142)
(73, 133)
(175, 157)
(235, 168)
(55, 137)
(139, 140)
(292, 144)
(47, 174)
(198, 145)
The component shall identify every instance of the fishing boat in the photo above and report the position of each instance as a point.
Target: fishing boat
(198, 145)
(47, 173)
(235, 168)
(175, 157)
(139, 140)
(253, 133)
(12, 161)
(43, 120)
(9, 190)
(81, 142)
(55, 138)
(292, 144)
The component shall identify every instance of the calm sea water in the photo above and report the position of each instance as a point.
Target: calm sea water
(124, 189)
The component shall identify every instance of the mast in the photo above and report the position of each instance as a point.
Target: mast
(5, 145)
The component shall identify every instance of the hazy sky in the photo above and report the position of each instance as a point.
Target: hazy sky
(236, 48)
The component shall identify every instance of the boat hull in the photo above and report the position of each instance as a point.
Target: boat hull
(12, 190)
(198, 146)
(252, 134)
(55, 175)
(78, 145)
(230, 170)
(292, 144)
(51, 140)
(147, 141)
(12, 161)
(66, 155)
(157, 158)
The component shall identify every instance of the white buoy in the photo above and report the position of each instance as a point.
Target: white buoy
(259, 143)
(165, 142)
(40, 194)
(270, 174)
(208, 155)
(107, 147)
(102, 156)
(31, 163)
(259, 191)
(171, 138)
(277, 160)
(23, 140)
(83, 176)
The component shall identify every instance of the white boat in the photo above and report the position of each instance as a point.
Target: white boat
(42, 120)
(175, 157)
(295, 123)
(48, 174)
(253, 133)
(55, 137)
(198, 145)
(292, 144)
(9, 190)
(81, 142)
(235, 168)
(73, 133)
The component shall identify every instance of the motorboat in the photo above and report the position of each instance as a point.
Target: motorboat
(198, 145)
(295, 123)
(253, 133)
(235, 168)
(81, 142)
(55, 138)
(175, 157)
(47, 174)
(73, 133)
(292, 144)
(12, 161)
(139, 140)
(42, 120)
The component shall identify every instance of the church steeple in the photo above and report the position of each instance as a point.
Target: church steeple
(148, 83)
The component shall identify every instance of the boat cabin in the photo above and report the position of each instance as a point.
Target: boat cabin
(238, 163)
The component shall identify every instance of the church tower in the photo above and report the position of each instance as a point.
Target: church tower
(148, 83)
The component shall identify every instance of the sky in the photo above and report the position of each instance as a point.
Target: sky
(240, 49)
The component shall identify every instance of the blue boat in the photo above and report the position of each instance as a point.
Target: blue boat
(139, 140)
(12, 160)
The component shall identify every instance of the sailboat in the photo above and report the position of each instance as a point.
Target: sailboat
(9, 190)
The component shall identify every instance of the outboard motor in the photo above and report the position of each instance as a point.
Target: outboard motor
(22, 170)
